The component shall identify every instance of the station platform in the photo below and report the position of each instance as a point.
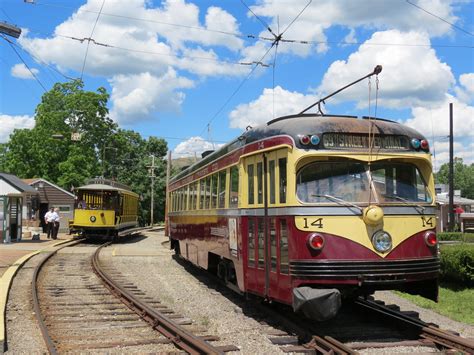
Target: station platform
(11, 252)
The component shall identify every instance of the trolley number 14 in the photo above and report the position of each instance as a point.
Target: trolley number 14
(313, 223)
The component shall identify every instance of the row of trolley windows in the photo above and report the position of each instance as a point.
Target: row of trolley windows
(278, 244)
(209, 192)
(258, 171)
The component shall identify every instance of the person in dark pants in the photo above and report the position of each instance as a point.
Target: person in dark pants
(55, 223)
(49, 220)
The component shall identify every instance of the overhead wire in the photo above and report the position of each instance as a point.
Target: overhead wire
(440, 18)
(237, 89)
(21, 58)
(90, 38)
(235, 34)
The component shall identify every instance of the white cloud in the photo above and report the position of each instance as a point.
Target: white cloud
(21, 71)
(137, 97)
(260, 111)
(9, 123)
(435, 118)
(465, 92)
(153, 44)
(194, 146)
(411, 76)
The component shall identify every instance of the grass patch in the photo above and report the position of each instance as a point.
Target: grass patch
(455, 303)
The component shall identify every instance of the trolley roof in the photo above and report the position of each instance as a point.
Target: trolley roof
(308, 124)
(100, 184)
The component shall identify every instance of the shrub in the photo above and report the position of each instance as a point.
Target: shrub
(448, 236)
(456, 236)
(457, 264)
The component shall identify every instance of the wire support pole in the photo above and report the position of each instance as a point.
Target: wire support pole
(377, 70)
(152, 176)
(451, 170)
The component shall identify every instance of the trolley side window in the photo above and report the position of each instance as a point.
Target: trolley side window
(261, 242)
(273, 245)
(283, 179)
(250, 184)
(251, 243)
(234, 187)
(214, 191)
(259, 182)
(222, 189)
(271, 169)
(202, 193)
(283, 247)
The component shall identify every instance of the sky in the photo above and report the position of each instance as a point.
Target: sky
(198, 73)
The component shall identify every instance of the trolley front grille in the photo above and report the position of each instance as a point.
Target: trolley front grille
(377, 271)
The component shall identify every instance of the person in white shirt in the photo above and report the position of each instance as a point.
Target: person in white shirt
(48, 219)
(55, 218)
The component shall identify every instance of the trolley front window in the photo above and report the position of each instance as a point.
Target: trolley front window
(323, 182)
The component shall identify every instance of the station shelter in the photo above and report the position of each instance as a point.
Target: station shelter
(13, 193)
(48, 195)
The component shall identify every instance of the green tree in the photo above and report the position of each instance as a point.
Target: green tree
(63, 110)
(463, 177)
(104, 148)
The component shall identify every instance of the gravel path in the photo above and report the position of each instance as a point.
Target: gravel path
(23, 334)
(153, 270)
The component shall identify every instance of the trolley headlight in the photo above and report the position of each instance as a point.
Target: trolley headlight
(92, 219)
(382, 241)
(316, 241)
(430, 239)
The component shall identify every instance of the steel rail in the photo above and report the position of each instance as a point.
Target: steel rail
(179, 336)
(438, 336)
(34, 290)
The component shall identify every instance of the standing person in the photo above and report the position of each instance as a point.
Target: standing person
(48, 219)
(56, 218)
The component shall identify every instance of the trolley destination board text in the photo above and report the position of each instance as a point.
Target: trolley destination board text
(351, 140)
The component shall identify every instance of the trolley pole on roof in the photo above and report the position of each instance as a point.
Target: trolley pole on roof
(152, 176)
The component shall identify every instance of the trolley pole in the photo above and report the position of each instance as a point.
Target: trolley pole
(451, 170)
(152, 176)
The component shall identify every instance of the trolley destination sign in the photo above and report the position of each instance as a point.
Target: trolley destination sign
(354, 141)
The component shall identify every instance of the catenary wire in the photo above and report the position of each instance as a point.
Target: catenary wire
(440, 18)
(90, 38)
(237, 89)
(21, 58)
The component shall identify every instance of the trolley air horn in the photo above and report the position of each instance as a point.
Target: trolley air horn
(377, 70)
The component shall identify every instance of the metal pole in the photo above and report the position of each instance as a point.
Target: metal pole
(152, 188)
(168, 173)
(451, 170)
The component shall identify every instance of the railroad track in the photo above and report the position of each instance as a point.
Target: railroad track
(353, 331)
(428, 333)
(76, 311)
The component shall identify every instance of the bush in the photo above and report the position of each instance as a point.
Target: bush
(448, 236)
(456, 236)
(457, 264)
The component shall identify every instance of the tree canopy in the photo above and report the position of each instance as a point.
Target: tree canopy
(49, 151)
(463, 177)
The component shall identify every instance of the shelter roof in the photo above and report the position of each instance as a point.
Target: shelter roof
(17, 183)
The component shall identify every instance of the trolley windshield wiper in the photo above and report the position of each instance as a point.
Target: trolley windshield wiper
(406, 202)
(339, 200)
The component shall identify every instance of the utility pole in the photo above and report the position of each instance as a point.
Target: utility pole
(451, 171)
(168, 173)
(152, 176)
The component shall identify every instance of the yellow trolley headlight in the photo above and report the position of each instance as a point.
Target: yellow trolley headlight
(382, 241)
(92, 219)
